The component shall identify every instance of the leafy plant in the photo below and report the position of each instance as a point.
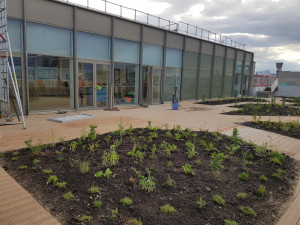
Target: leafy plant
(187, 168)
(52, 179)
(85, 218)
(219, 199)
(23, 167)
(107, 139)
(15, 158)
(198, 162)
(279, 174)
(107, 173)
(169, 134)
(73, 146)
(114, 213)
(153, 151)
(52, 138)
(191, 152)
(68, 196)
(110, 158)
(248, 211)
(178, 137)
(139, 155)
(60, 159)
(15, 153)
(92, 135)
(98, 174)
(126, 201)
(201, 203)
(134, 222)
(230, 222)
(216, 160)
(147, 183)
(170, 182)
(232, 149)
(93, 190)
(210, 146)
(84, 167)
(97, 204)
(132, 151)
(261, 150)
(168, 148)
(47, 171)
(2, 154)
(243, 176)
(241, 195)
(276, 157)
(61, 184)
(261, 190)
(167, 209)
(263, 178)
(169, 164)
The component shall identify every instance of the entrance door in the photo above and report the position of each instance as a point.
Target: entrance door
(151, 81)
(93, 84)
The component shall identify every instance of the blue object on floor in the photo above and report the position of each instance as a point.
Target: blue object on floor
(175, 105)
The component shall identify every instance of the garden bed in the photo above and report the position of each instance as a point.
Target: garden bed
(291, 129)
(222, 101)
(208, 178)
(271, 109)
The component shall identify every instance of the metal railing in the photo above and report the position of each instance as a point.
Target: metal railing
(146, 18)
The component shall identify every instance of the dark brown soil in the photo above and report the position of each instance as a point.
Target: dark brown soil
(230, 100)
(125, 183)
(288, 129)
(265, 110)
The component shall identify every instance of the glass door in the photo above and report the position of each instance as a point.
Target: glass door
(102, 72)
(156, 85)
(85, 84)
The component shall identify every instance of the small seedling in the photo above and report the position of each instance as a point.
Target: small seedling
(276, 157)
(263, 178)
(261, 190)
(36, 161)
(134, 222)
(107, 173)
(114, 213)
(201, 203)
(170, 182)
(167, 209)
(241, 195)
(84, 167)
(52, 179)
(248, 211)
(97, 204)
(169, 134)
(93, 190)
(278, 174)
(34, 168)
(61, 184)
(216, 162)
(147, 182)
(198, 162)
(169, 164)
(68, 196)
(153, 151)
(126, 201)
(2, 154)
(60, 159)
(47, 171)
(15, 158)
(110, 158)
(187, 168)
(15, 153)
(85, 218)
(23, 167)
(98, 174)
(219, 199)
(243, 176)
(230, 222)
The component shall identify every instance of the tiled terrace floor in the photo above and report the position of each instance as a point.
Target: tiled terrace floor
(21, 208)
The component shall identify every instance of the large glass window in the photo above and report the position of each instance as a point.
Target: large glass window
(227, 92)
(49, 40)
(217, 77)
(126, 51)
(126, 82)
(93, 46)
(173, 58)
(189, 82)
(15, 32)
(238, 78)
(172, 79)
(246, 79)
(102, 73)
(50, 81)
(152, 55)
(205, 74)
(85, 84)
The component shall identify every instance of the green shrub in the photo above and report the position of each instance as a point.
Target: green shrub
(241, 195)
(230, 222)
(243, 176)
(126, 201)
(97, 204)
(85, 218)
(68, 196)
(263, 178)
(276, 157)
(167, 209)
(248, 211)
(52, 179)
(219, 199)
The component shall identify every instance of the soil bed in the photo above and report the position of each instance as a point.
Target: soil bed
(124, 182)
(230, 100)
(291, 129)
(265, 110)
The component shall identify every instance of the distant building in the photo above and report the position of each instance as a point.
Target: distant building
(288, 84)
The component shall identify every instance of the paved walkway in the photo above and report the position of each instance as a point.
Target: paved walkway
(191, 115)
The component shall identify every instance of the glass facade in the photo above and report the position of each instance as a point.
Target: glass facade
(126, 51)
(18, 69)
(51, 83)
(93, 46)
(246, 79)
(238, 78)
(205, 75)
(152, 55)
(189, 75)
(102, 73)
(172, 80)
(15, 31)
(217, 77)
(126, 83)
(227, 92)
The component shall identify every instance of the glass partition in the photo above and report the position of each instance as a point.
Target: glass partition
(205, 75)
(217, 77)
(172, 79)
(126, 83)
(189, 83)
(227, 92)
(50, 80)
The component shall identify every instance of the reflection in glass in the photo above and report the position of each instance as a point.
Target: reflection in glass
(172, 79)
(126, 82)
(102, 72)
(85, 84)
(50, 80)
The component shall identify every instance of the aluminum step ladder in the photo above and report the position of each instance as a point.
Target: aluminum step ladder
(7, 69)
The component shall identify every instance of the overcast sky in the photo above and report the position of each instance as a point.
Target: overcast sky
(269, 28)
